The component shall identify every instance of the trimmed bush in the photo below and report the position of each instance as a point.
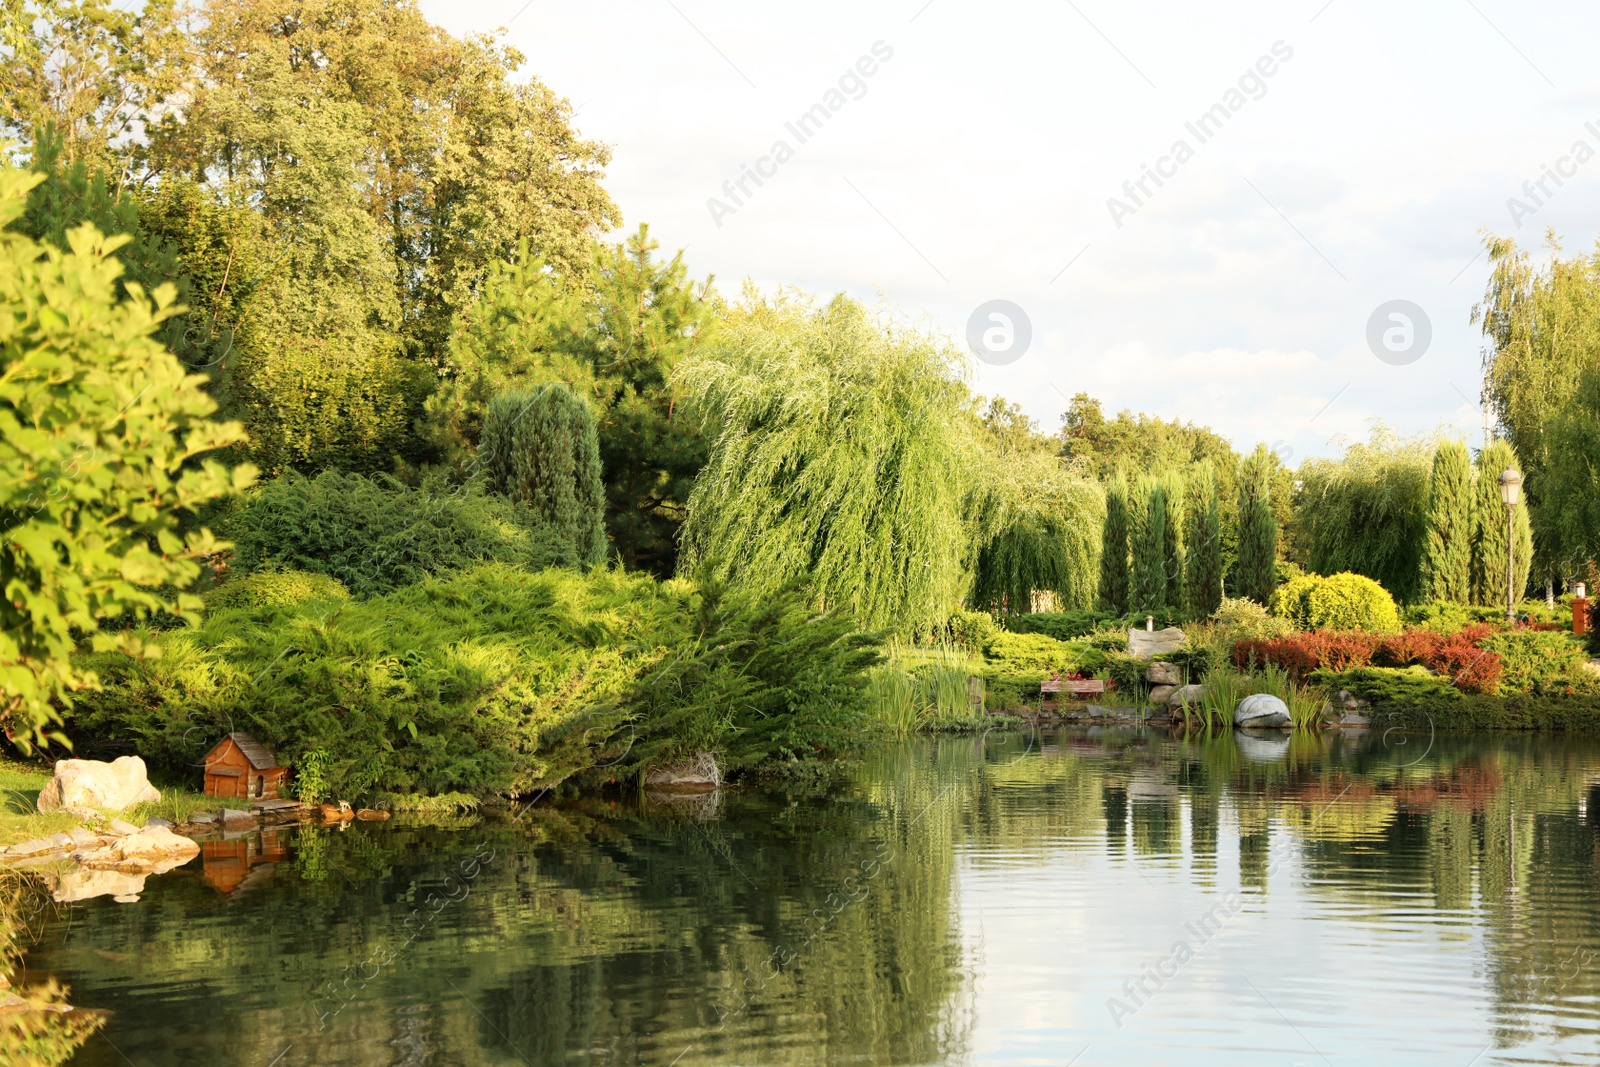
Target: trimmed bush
(1019, 653)
(1240, 619)
(1534, 656)
(972, 630)
(1338, 602)
(1387, 685)
(275, 589)
(1062, 625)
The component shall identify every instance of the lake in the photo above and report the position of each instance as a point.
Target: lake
(1076, 896)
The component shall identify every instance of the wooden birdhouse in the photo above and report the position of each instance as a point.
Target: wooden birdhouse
(240, 766)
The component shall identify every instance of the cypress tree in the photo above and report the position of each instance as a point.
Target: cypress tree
(1172, 494)
(1489, 530)
(1147, 509)
(1202, 573)
(1255, 573)
(1114, 576)
(1447, 545)
(541, 448)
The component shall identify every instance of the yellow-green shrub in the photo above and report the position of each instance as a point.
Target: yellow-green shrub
(1338, 602)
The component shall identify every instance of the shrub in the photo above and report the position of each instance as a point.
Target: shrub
(1238, 620)
(1534, 656)
(1385, 685)
(376, 535)
(1195, 659)
(1473, 669)
(1018, 653)
(1339, 602)
(1062, 625)
(1127, 671)
(972, 630)
(280, 589)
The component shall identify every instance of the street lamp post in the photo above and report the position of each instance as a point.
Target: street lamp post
(1510, 490)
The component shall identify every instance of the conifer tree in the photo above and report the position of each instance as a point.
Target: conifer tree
(1202, 575)
(1172, 539)
(540, 447)
(1114, 574)
(1255, 573)
(1489, 530)
(1447, 548)
(1147, 508)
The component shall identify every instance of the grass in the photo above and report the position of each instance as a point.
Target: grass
(21, 820)
(1225, 687)
(924, 689)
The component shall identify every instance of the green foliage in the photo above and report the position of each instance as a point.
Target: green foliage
(972, 630)
(1128, 672)
(311, 783)
(100, 438)
(1447, 546)
(1064, 625)
(375, 535)
(441, 806)
(1534, 657)
(1245, 620)
(540, 449)
(1115, 576)
(496, 680)
(1147, 512)
(839, 461)
(1035, 653)
(1195, 659)
(1031, 525)
(1173, 550)
(1338, 602)
(1489, 553)
(1366, 512)
(896, 699)
(1202, 567)
(1574, 711)
(1254, 576)
(275, 589)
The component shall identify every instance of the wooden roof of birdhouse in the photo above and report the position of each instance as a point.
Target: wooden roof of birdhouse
(260, 756)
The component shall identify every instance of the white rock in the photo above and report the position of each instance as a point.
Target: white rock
(1164, 674)
(1261, 711)
(123, 829)
(83, 783)
(1262, 749)
(150, 851)
(1147, 643)
(83, 883)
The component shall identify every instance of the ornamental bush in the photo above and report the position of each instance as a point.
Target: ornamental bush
(1533, 657)
(270, 589)
(1338, 602)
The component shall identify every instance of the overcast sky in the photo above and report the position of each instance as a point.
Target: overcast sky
(1355, 151)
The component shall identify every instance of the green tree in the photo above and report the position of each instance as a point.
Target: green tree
(1147, 509)
(1255, 574)
(1173, 548)
(1033, 525)
(100, 437)
(840, 457)
(1202, 575)
(1489, 551)
(1447, 551)
(1115, 577)
(539, 448)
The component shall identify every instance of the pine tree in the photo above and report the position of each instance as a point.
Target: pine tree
(1114, 575)
(1202, 575)
(1489, 530)
(540, 448)
(1447, 548)
(1172, 509)
(1147, 508)
(1255, 573)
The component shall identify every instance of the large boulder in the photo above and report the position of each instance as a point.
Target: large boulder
(87, 783)
(1261, 711)
(84, 883)
(1160, 694)
(1147, 643)
(153, 850)
(1163, 673)
(1186, 694)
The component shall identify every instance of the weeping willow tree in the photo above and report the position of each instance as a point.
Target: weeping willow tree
(1447, 545)
(1202, 561)
(1035, 528)
(1366, 512)
(840, 456)
(1114, 575)
(1489, 555)
(1148, 511)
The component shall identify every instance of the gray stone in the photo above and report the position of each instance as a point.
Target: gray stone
(1355, 718)
(159, 822)
(1164, 674)
(1147, 643)
(1159, 694)
(1350, 702)
(235, 819)
(40, 846)
(85, 783)
(1187, 694)
(123, 829)
(1261, 711)
(1097, 712)
(204, 818)
(83, 838)
(153, 850)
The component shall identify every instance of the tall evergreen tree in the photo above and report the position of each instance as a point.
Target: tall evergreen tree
(1255, 573)
(540, 447)
(1172, 539)
(1202, 573)
(1447, 548)
(1489, 530)
(1147, 507)
(1115, 578)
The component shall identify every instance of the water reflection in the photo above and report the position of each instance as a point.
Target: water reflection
(965, 900)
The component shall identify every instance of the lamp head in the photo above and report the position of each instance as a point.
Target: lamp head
(1510, 487)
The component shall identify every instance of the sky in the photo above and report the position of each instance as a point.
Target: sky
(965, 153)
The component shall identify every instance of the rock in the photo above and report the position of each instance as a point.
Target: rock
(153, 850)
(84, 783)
(1164, 674)
(341, 812)
(85, 838)
(1097, 712)
(88, 815)
(1261, 711)
(237, 819)
(84, 883)
(372, 815)
(1159, 694)
(123, 829)
(1147, 643)
(697, 775)
(1355, 718)
(39, 846)
(203, 818)
(1186, 694)
(159, 822)
(1350, 702)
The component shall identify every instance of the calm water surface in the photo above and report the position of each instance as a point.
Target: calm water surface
(1091, 897)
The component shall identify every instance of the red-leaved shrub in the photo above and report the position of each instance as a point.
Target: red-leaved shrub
(1470, 668)
(1302, 653)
